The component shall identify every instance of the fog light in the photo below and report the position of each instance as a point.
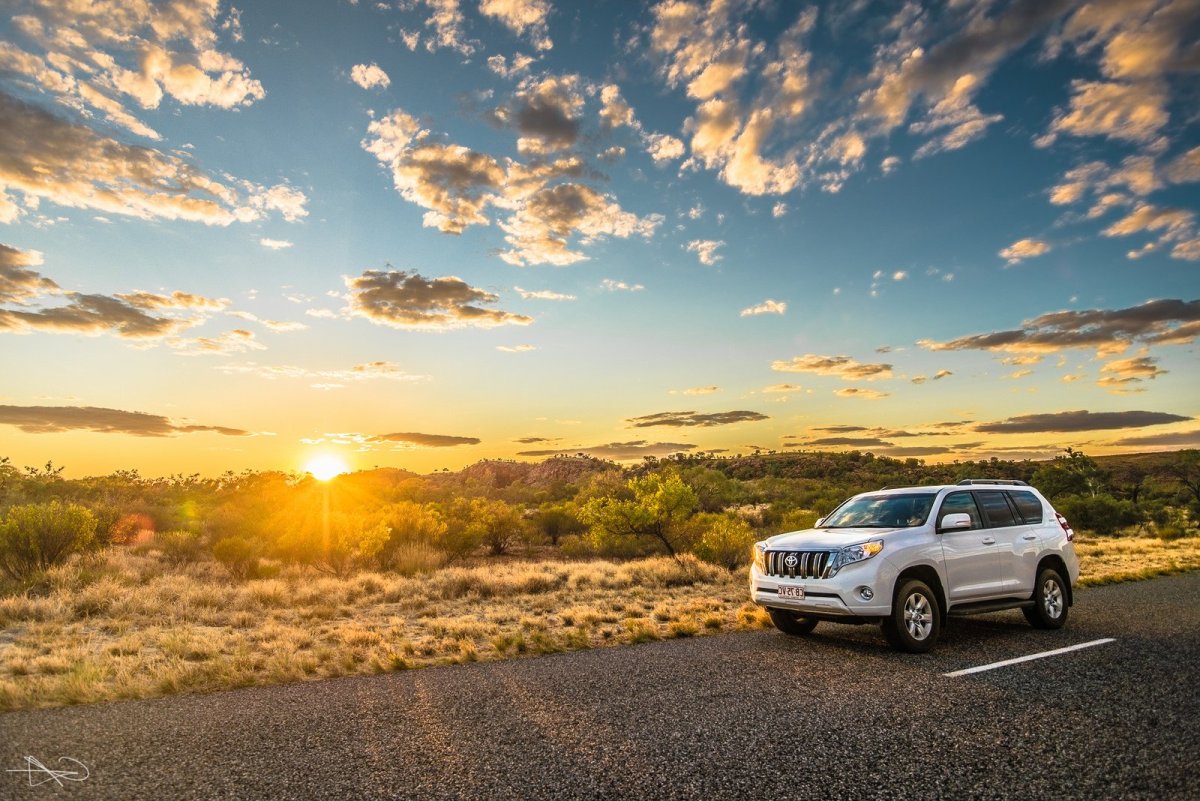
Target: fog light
(866, 593)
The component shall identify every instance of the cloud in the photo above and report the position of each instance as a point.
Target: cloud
(370, 76)
(545, 112)
(782, 388)
(536, 440)
(516, 348)
(709, 390)
(859, 392)
(327, 379)
(707, 50)
(940, 374)
(1123, 375)
(55, 419)
(542, 294)
(841, 366)
(1109, 331)
(1076, 421)
(694, 419)
(18, 283)
(618, 451)
(865, 442)
(408, 300)
(526, 18)
(705, 250)
(453, 182)
(1132, 112)
(1179, 439)
(457, 185)
(509, 69)
(238, 340)
(427, 440)
(620, 286)
(663, 147)
(44, 156)
(768, 306)
(1023, 249)
(539, 232)
(274, 244)
(106, 58)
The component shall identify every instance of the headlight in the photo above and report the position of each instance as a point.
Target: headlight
(855, 553)
(759, 555)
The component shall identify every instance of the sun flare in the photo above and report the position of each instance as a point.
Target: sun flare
(324, 467)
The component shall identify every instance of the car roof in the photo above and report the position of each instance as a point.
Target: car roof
(933, 489)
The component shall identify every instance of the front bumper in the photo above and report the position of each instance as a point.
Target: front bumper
(836, 598)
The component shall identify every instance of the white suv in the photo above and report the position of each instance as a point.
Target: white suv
(908, 558)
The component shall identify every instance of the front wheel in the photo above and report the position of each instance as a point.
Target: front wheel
(791, 623)
(915, 621)
(1049, 610)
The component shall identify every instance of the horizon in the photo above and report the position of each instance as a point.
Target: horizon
(420, 236)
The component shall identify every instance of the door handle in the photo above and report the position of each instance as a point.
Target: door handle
(1029, 537)
(989, 540)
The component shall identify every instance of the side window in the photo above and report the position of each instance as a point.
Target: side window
(1028, 506)
(957, 503)
(996, 508)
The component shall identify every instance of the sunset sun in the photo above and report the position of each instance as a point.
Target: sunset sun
(324, 467)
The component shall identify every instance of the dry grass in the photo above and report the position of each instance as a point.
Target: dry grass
(122, 624)
(1111, 560)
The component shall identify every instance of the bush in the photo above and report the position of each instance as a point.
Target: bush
(38, 536)
(239, 556)
(726, 541)
(179, 547)
(1102, 514)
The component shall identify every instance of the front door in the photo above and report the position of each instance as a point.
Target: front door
(973, 569)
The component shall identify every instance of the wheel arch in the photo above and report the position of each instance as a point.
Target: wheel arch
(929, 575)
(1055, 561)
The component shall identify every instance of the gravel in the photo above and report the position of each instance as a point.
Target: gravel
(754, 715)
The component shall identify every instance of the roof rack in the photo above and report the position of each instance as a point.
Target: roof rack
(1014, 482)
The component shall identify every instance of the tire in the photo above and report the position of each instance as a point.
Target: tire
(916, 621)
(791, 623)
(1049, 610)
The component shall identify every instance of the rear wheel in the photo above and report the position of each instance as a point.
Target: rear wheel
(1049, 610)
(791, 622)
(915, 621)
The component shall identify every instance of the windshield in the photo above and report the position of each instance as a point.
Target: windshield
(882, 511)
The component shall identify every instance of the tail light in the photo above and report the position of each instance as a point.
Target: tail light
(1066, 527)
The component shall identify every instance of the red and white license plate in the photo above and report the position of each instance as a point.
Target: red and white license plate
(792, 592)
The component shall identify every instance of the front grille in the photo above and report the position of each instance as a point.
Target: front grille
(807, 565)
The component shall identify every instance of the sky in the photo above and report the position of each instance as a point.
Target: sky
(423, 233)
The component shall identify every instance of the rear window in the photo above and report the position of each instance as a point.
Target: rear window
(996, 508)
(1028, 506)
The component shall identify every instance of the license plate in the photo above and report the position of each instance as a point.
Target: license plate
(792, 592)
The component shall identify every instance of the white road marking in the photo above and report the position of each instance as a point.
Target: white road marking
(1029, 658)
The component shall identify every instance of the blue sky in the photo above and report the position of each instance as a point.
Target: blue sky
(424, 233)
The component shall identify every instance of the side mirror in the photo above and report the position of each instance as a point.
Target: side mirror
(955, 522)
(820, 522)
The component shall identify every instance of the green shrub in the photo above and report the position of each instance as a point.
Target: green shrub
(35, 537)
(1102, 514)
(180, 547)
(726, 541)
(239, 556)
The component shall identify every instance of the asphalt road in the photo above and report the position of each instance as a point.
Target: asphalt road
(752, 716)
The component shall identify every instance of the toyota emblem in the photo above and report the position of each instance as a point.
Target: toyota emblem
(790, 560)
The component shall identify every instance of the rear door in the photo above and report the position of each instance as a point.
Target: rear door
(973, 570)
(1016, 543)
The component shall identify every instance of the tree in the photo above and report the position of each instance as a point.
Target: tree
(1186, 470)
(1073, 474)
(554, 521)
(496, 524)
(726, 541)
(657, 506)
